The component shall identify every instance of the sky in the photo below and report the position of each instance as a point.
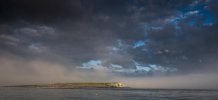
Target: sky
(143, 43)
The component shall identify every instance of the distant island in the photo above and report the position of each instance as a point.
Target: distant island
(77, 85)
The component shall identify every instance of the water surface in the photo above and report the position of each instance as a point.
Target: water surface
(12, 93)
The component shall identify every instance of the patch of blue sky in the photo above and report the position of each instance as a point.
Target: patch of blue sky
(143, 68)
(210, 19)
(196, 7)
(192, 23)
(140, 67)
(155, 67)
(158, 68)
(116, 66)
(139, 43)
(200, 9)
(92, 64)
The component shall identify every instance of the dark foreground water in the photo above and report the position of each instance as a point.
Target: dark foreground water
(9, 93)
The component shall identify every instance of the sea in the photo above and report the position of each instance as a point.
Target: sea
(21, 93)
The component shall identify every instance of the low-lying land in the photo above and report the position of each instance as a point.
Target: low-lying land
(77, 85)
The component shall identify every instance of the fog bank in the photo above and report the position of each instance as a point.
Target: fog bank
(16, 71)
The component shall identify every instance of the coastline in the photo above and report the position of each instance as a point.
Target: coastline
(75, 85)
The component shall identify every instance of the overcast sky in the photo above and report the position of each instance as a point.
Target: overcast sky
(83, 40)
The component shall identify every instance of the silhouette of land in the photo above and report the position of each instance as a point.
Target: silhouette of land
(77, 85)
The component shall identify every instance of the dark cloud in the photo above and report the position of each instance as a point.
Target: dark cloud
(40, 10)
(176, 34)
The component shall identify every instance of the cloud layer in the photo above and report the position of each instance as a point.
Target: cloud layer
(129, 38)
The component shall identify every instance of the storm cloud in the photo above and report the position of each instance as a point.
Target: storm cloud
(131, 38)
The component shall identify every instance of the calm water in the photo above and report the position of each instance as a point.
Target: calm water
(104, 94)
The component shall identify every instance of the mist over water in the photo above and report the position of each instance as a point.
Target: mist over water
(17, 71)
